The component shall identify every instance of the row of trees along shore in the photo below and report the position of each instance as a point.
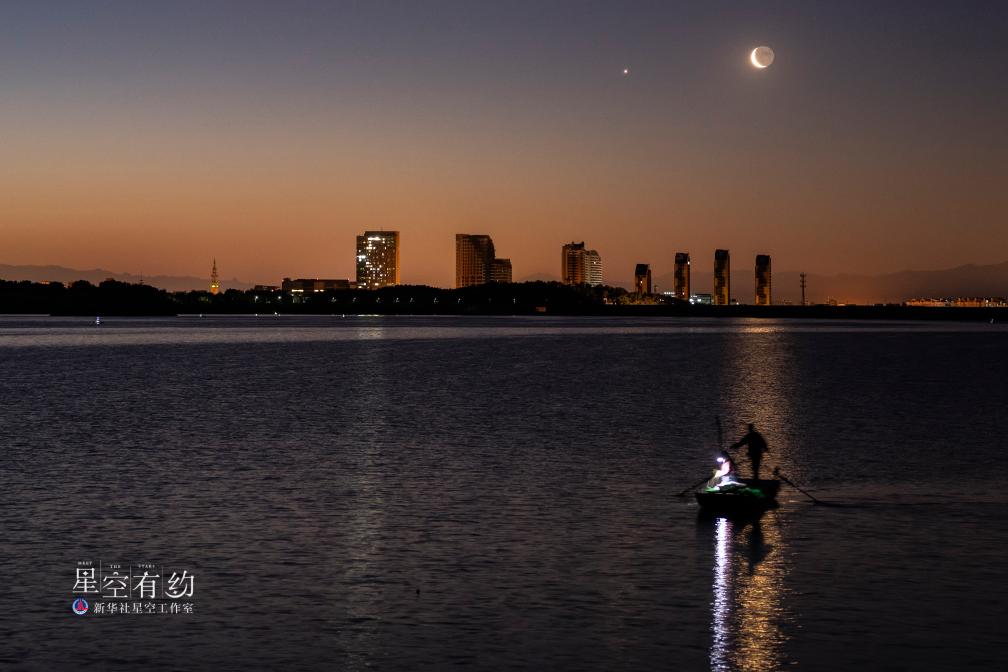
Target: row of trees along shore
(112, 297)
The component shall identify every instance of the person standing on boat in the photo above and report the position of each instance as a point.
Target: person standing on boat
(756, 446)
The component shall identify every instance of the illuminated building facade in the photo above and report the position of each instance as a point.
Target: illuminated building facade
(763, 296)
(960, 302)
(214, 280)
(593, 268)
(681, 279)
(474, 255)
(642, 279)
(722, 278)
(702, 299)
(378, 259)
(579, 266)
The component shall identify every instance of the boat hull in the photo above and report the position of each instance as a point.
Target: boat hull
(733, 502)
(769, 487)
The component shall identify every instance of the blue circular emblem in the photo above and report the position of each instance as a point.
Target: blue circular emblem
(80, 606)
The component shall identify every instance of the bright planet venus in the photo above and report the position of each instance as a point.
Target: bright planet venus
(762, 57)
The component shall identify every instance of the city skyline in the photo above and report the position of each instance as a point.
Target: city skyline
(152, 137)
(378, 265)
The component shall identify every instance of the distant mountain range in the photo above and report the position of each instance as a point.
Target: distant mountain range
(968, 280)
(173, 283)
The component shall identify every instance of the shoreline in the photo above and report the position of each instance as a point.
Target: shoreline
(865, 313)
(113, 298)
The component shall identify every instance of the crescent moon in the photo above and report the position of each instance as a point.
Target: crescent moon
(752, 57)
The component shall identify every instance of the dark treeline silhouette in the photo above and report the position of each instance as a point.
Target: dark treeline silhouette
(489, 299)
(112, 297)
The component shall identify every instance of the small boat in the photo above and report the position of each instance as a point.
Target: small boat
(750, 496)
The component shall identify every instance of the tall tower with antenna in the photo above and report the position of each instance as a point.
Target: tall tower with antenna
(214, 280)
(802, 289)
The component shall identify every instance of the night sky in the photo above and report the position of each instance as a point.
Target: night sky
(152, 137)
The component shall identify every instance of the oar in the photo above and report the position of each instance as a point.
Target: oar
(703, 480)
(776, 472)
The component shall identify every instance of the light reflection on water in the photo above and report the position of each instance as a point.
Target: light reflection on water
(722, 606)
(748, 593)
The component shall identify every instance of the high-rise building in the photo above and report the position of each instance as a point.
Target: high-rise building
(763, 296)
(579, 266)
(593, 268)
(642, 279)
(681, 281)
(214, 280)
(500, 270)
(474, 255)
(722, 278)
(377, 259)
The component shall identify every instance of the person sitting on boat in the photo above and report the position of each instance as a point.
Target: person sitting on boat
(725, 473)
(757, 445)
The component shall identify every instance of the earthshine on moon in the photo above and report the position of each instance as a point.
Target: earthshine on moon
(762, 57)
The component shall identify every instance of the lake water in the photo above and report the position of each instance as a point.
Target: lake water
(498, 493)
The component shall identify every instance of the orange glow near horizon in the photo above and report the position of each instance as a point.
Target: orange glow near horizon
(272, 144)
